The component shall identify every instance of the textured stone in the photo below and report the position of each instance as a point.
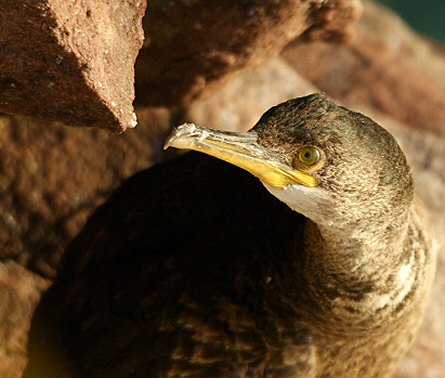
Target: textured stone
(191, 45)
(386, 65)
(20, 291)
(70, 61)
(51, 178)
(261, 87)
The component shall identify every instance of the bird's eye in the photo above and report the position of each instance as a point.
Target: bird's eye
(308, 156)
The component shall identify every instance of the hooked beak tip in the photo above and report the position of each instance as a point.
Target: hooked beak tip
(178, 137)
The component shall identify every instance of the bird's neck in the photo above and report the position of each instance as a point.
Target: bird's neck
(359, 275)
(359, 255)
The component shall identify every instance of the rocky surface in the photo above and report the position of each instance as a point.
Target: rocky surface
(70, 61)
(239, 104)
(192, 45)
(51, 178)
(20, 291)
(386, 65)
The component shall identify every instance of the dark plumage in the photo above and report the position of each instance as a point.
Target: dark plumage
(192, 269)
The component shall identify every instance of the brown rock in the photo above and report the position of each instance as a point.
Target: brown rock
(387, 66)
(20, 291)
(51, 178)
(192, 45)
(239, 103)
(70, 61)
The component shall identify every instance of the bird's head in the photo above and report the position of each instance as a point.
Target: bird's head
(336, 167)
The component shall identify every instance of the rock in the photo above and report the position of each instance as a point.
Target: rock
(192, 45)
(386, 65)
(20, 291)
(70, 61)
(239, 103)
(52, 178)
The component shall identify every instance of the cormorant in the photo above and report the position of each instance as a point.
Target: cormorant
(195, 268)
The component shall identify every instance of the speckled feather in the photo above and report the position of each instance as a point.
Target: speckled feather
(192, 269)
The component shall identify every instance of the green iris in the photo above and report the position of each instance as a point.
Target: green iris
(309, 155)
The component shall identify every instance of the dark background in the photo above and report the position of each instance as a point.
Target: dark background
(426, 16)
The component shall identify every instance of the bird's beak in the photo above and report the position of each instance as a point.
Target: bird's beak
(240, 149)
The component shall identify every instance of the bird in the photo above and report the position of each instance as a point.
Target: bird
(296, 249)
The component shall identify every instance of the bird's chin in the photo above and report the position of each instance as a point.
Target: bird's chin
(313, 203)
